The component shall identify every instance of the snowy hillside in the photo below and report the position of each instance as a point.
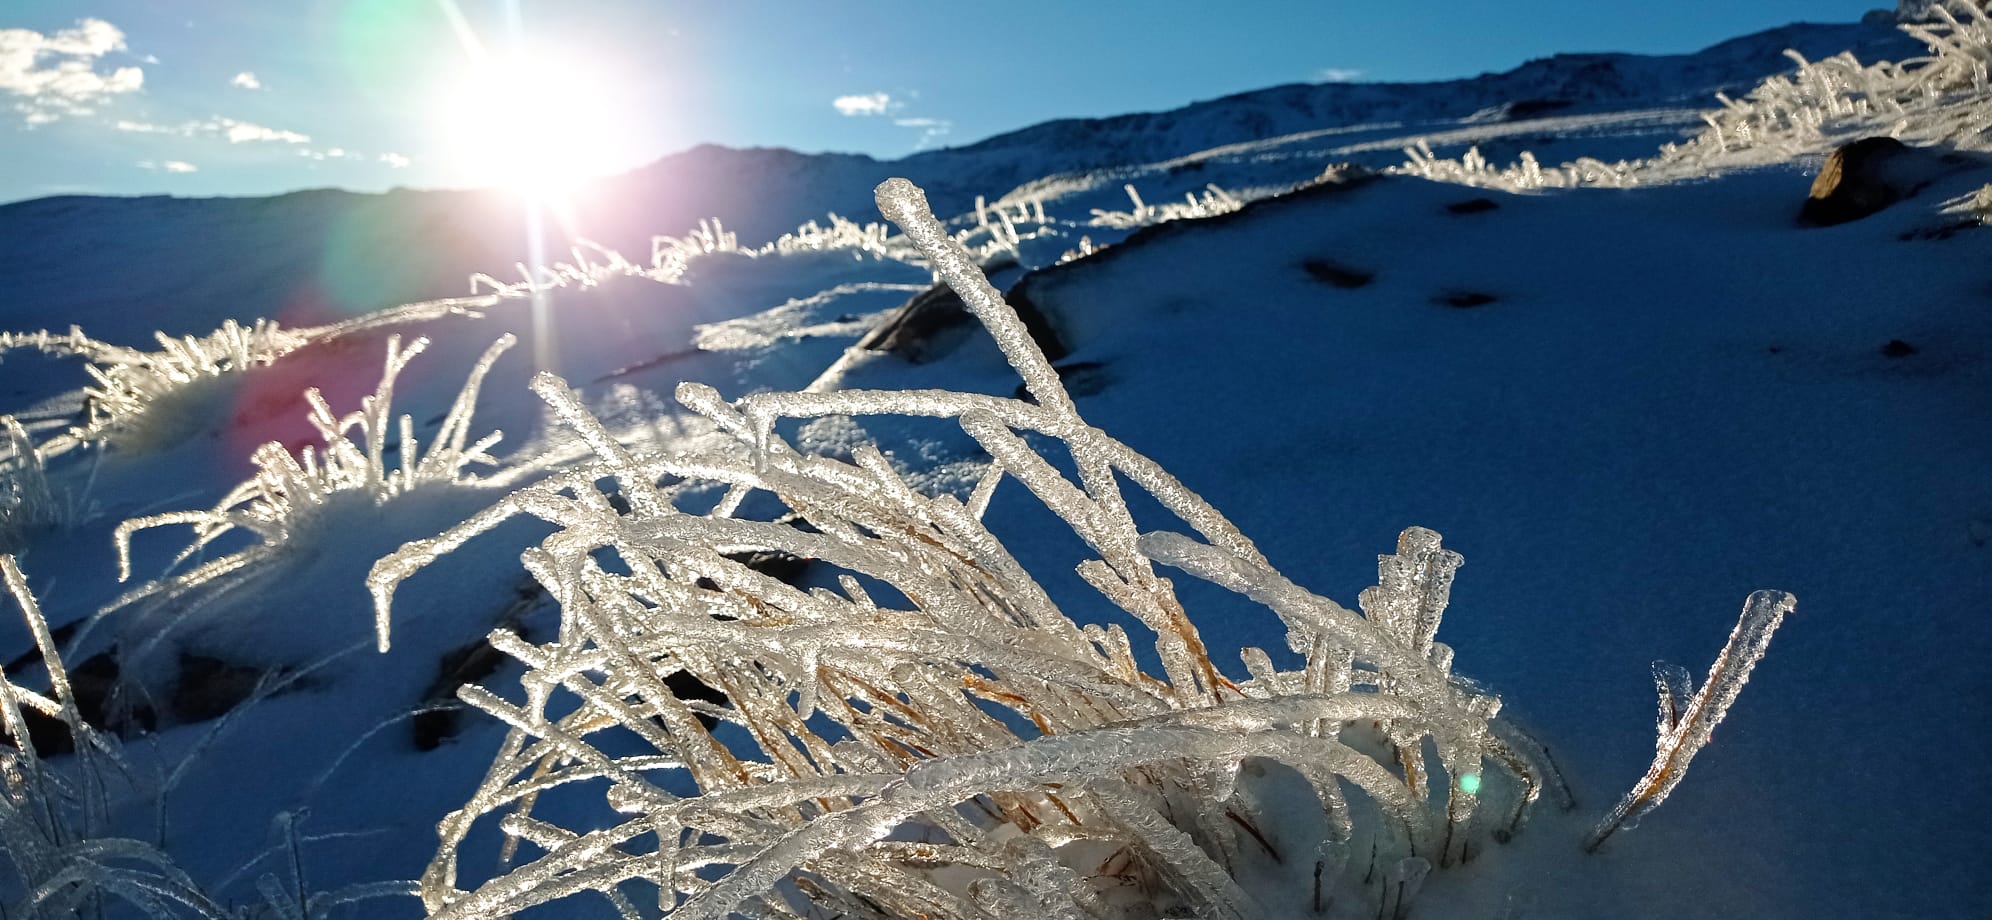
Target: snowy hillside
(803, 640)
(311, 256)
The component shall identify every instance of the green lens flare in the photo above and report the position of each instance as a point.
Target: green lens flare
(1470, 784)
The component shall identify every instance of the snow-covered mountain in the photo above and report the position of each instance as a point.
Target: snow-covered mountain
(1626, 407)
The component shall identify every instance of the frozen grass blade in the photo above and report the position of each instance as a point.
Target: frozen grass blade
(1692, 723)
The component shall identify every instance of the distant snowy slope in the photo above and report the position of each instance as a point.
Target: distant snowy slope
(303, 257)
(1564, 84)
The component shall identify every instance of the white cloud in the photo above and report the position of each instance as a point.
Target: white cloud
(237, 132)
(329, 153)
(931, 129)
(171, 166)
(54, 76)
(395, 160)
(242, 132)
(872, 104)
(246, 80)
(1337, 74)
(143, 127)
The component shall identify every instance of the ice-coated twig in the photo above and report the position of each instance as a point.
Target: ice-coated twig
(1694, 722)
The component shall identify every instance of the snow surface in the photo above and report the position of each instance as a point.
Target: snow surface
(1676, 396)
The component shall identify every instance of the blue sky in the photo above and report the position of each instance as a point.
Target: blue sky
(204, 97)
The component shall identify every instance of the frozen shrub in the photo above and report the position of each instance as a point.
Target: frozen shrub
(937, 735)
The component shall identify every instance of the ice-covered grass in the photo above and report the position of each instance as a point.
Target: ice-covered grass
(27, 504)
(1212, 202)
(937, 735)
(1671, 395)
(138, 400)
(367, 455)
(1933, 100)
(61, 858)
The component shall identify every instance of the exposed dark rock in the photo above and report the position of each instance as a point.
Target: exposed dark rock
(100, 701)
(1336, 274)
(1464, 299)
(784, 567)
(934, 322)
(1896, 348)
(649, 364)
(465, 664)
(1033, 294)
(1534, 108)
(929, 325)
(1863, 177)
(210, 687)
(1036, 321)
(1081, 378)
(1472, 206)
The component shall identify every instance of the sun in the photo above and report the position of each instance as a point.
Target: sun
(535, 123)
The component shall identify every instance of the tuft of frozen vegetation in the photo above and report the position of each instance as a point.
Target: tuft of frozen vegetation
(938, 734)
(59, 860)
(1975, 206)
(129, 386)
(592, 264)
(1212, 202)
(1937, 99)
(27, 505)
(996, 230)
(842, 234)
(285, 495)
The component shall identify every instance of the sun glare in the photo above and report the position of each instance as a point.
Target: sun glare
(532, 123)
